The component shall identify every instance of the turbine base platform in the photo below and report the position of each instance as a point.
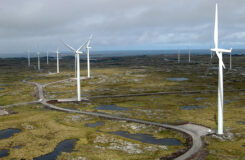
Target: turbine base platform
(72, 100)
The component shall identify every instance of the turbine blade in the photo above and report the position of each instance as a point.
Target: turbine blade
(216, 34)
(82, 46)
(220, 58)
(223, 65)
(68, 46)
(89, 40)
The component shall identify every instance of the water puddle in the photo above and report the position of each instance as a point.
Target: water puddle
(112, 107)
(241, 122)
(227, 101)
(6, 133)
(64, 146)
(4, 153)
(177, 79)
(192, 107)
(18, 147)
(200, 98)
(147, 138)
(214, 68)
(96, 124)
(1, 89)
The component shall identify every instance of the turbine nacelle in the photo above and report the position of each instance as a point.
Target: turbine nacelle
(222, 50)
(78, 52)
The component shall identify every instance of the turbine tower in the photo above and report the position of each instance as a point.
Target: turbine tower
(87, 51)
(77, 54)
(38, 60)
(75, 65)
(178, 56)
(28, 56)
(47, 57)
(58, 63)
(189, 55)
(219, 52)
(230, 61)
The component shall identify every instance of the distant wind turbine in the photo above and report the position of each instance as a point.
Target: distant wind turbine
(189, 55)
(75, 65)
(87, 51)
(220, 77)
(47, 57)
(178, 56)
(28, 56)
(58, 63)
(77, 54)
(230, 61)
(38, 60)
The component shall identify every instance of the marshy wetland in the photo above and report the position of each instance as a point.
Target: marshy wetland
(148, 88)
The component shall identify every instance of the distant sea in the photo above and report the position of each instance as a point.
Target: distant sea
(121, 53)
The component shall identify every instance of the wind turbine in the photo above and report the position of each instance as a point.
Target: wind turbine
(219, 52)
(28, 56)
(178, 56)
(38, 60)
(230, 61)
(47, 57)
(75, 65)
(189, 55)
(77, 54)
(58, 63)
(87, 51)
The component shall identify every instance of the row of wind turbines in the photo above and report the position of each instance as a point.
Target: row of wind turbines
(217, 50)
(77, 54)
(211, 54)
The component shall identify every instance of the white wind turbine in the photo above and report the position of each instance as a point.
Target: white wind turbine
(47, 57)
(75, 65)
(230, 61)
(77, 54)
(28, 56)
(58, 61)
(87, 51)
(178, 56)
(38, 60)
(189, 55)
(219, 52)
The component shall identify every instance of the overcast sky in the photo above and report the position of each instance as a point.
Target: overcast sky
(119, 24)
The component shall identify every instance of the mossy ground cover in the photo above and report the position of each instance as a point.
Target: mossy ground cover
(134, 75)
(42, 130)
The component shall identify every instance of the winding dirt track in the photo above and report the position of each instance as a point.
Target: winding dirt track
(194, 131)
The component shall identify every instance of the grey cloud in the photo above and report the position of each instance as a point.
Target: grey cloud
(118, 24)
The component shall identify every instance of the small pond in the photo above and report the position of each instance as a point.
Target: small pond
(227, 101)
(192, 107)
(6, 133)
(147, 138)
(4, 153)
(112, 107)
(96, 124)
(64, 146)
(1, 89)
(215, 68)
(177, 79)
(18, 147)
(241, 122)
(200, 98)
